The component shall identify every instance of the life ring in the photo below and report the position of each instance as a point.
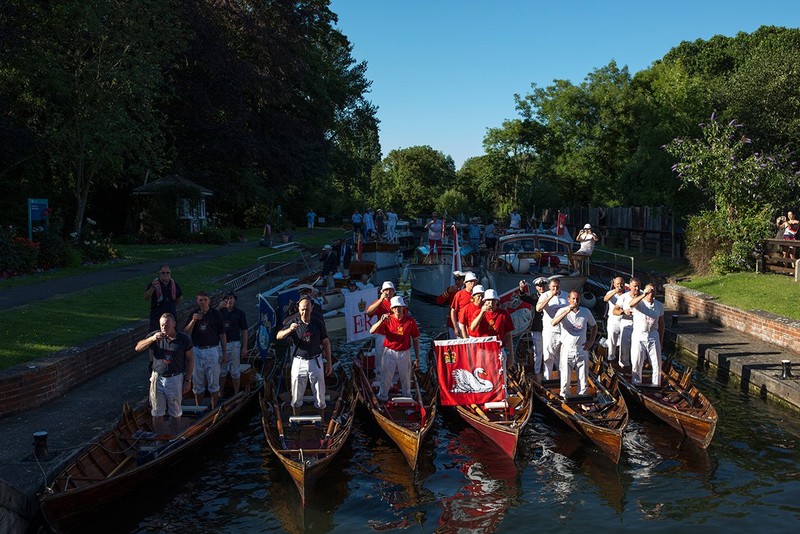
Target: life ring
(588, 299)
(550, 260)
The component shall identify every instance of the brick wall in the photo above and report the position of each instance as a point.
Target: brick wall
(29, 385)
(766, 326)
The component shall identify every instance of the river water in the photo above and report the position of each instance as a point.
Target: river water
(748, 479)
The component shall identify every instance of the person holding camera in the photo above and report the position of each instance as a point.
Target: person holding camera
(586, 239)
(165, 294)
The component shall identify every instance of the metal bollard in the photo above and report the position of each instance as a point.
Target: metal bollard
(40, 444)
(787, 370)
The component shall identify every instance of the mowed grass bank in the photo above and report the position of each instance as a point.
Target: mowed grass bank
(42, 328)
(774, 293)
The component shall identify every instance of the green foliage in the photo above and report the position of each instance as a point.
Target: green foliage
(744, 188)
(452, 202)
(412, 179)
(93, 245)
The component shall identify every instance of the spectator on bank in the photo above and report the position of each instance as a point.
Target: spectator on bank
(164, 294)
(310, 217)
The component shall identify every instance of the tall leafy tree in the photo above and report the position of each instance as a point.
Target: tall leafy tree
(93, 73)
(412, 179)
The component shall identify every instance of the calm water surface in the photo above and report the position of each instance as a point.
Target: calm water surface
(748, 479)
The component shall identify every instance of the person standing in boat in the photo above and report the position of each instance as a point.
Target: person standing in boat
(613, 322)
(356, 219)
(380, 224)
(492, 320)
(549, 303)
(311, 356)
(461, 299)
(474, 233)
(515, 220)
(648, 334)
(446, 299)
(576, 340)
(380, 307)
(490, 232)
(207, 330)
(344, 253)
(435, 229)
(170, 379)
(400, 331)
(235, 322)
(622, 310)
(471, 310)
(165, 294)
(369, 224)
(536, 323)
(391, 225)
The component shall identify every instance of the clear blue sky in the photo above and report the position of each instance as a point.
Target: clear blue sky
(444, 71)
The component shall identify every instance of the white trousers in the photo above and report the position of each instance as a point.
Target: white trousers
(646, 344)
(613, 336)
(577, 359)
(206, 369)
(234, 358)
(390, 227)
(399, 360)
(302, 372)
(625, 332)
(551, 350)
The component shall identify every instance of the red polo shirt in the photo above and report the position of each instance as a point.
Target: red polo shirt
(398, 332)
(494, 323)
(384, 307)
(467, 314)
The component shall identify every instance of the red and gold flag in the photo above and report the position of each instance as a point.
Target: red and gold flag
(471, 371)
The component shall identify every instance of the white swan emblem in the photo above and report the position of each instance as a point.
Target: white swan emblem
(470, 383)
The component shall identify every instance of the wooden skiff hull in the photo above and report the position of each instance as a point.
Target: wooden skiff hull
(121, 461)
(678, 403)
(307, 459)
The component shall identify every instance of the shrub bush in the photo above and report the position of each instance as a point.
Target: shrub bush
(17, 254)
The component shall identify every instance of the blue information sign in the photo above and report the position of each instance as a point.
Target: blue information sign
(37, 211)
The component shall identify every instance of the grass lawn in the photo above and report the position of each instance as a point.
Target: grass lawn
(774, 293)
(674, 267)
(41, 328)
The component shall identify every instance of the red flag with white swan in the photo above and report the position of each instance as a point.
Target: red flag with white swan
(470, 371)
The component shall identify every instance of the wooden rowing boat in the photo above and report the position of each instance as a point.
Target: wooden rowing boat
(131, 453)
(406, 421)
(503, 424)
(676, 401)
(600, 415)
(305, 444)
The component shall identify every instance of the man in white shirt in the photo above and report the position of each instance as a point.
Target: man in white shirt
(613, 321)
(626, 322)
(648, 334)
(575, 321)
(549, 303)
(391, 225)
(515, 220)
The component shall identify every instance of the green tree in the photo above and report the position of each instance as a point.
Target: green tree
(93, 77)
(412, 179)
(743, 187)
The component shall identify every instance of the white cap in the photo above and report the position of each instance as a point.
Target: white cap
(327, 247)
(397, 301)
(477, 289)
(541, 281)
(587, 226)
(470, 277)
(458, 273)
(490, 294)
(387, 285)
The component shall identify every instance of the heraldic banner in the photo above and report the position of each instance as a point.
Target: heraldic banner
(357, 322)
(471, 371)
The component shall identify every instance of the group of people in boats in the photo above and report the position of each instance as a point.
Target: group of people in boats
(562, 331)
(197, 357)
(374, 224)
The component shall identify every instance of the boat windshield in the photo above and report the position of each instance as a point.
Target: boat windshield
(519, 245)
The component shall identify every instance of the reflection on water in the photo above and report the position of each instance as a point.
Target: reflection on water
(747, 479)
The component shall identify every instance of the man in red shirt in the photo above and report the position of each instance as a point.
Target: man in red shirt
(400, 332)
(461, 299)
(378, 308)
(471, 310)
(494, 321)
(446, 299)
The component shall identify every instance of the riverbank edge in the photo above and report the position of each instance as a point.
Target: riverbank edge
(749, 345)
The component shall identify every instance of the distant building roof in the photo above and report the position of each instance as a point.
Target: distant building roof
(170, 182)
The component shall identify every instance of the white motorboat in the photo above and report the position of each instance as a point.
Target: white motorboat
(529, 255)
